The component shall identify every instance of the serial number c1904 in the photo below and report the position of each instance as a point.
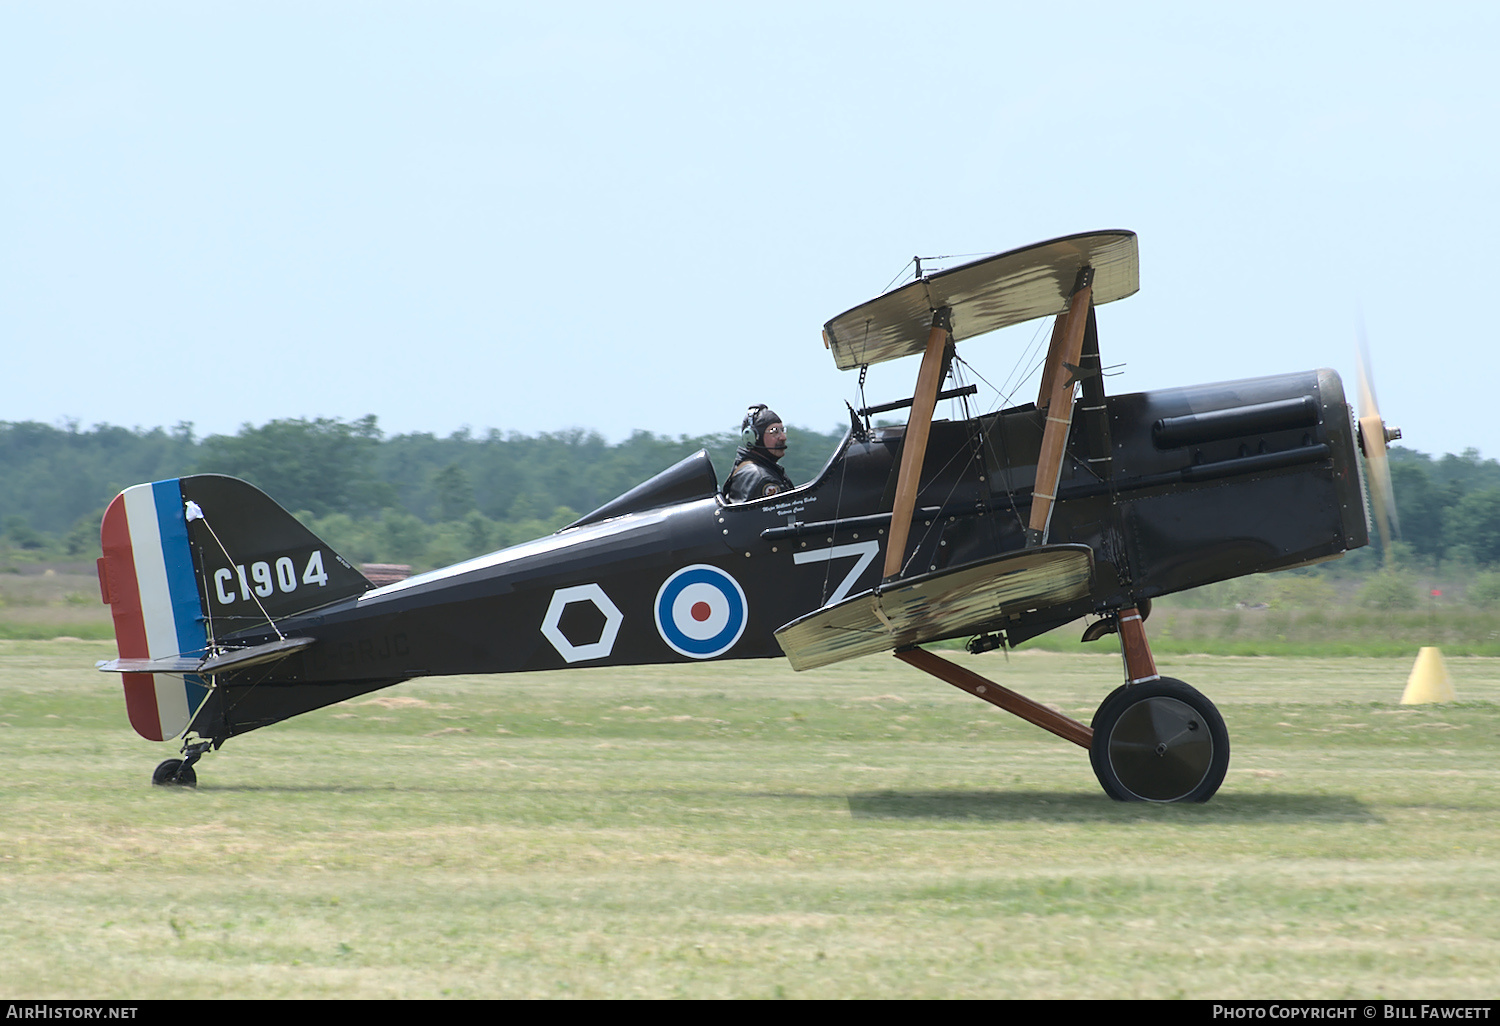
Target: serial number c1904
(265, 578)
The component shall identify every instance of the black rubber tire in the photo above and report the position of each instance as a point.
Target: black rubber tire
(173, 773)
(1161, 741)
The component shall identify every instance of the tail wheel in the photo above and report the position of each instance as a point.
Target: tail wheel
(1161, 741)
(173, 773)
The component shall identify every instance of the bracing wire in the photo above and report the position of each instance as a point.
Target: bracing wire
(900, 276)
(838, 505)
(987, 443)
(957, 478)
(194, 512)
(915, 263)
(1026, 365)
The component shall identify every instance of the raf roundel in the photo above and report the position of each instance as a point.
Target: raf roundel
(701, 611)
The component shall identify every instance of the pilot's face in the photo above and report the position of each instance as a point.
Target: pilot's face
(775, 439)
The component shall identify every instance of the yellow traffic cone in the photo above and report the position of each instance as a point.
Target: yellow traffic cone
(1429, 680)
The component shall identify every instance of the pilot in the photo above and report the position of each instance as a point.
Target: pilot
(757, 471)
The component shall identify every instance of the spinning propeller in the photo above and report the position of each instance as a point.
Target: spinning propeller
(1373, 436)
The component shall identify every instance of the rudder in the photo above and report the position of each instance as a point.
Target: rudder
(147, 577)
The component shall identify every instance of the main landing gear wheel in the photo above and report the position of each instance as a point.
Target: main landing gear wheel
(1161, 741)
(173, 773)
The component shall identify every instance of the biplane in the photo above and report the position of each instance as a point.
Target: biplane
(996, 528)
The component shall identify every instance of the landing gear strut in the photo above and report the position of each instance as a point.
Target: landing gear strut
(1155, 739)
(179, 772)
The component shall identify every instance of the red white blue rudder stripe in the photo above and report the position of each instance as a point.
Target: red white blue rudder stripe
(701, 611)
(149, 581)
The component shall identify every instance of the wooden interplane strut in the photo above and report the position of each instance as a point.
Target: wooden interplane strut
(914, 444)
(1056, 402)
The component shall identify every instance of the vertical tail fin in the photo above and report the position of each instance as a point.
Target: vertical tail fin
(189, 561)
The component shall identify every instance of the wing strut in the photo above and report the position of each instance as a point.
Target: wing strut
(914, 445)
(1059, 376)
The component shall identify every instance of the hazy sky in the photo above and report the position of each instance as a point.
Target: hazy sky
(621, 216)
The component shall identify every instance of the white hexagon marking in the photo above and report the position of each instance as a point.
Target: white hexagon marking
(564, 597)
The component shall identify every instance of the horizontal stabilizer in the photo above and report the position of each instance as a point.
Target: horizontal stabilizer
(166, 664)
(985, 295)
(972, 598)
(231, 659)
(238, 659)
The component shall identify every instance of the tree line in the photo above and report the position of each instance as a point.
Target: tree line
(1449, 508)
(428, 500)
(412, 498)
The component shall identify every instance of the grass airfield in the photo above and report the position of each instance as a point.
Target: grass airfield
(739, 830)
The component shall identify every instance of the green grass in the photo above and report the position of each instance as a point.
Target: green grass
(48, 604)
(1339, 631)
(738, 830)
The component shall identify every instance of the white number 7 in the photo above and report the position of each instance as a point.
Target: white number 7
(865, 550)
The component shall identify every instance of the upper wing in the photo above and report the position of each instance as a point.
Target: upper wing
(971, 598)
(996, 292)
